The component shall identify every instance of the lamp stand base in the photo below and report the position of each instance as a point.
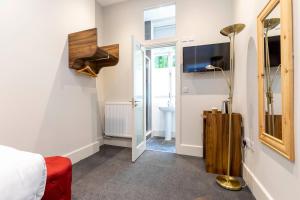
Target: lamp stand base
(229, 182)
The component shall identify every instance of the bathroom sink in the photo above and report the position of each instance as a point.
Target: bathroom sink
(167, 109)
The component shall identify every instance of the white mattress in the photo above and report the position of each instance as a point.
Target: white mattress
(22, 175)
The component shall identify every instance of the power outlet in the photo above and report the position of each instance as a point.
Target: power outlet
(186, 90)
(247, 143)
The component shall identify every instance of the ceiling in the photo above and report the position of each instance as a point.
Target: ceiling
(109, 2)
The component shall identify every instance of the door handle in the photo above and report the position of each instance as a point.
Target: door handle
(134, 103)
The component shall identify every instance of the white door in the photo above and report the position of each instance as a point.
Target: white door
(138, 101)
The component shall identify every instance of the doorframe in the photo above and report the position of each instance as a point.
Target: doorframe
(164, 43)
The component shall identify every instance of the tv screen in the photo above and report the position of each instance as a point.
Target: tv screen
(196, 58)
(274, 50)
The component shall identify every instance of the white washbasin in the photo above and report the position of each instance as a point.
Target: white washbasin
(168, 110)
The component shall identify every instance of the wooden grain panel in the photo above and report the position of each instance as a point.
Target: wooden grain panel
(223, 148)
(82, 44)
(86, 57)
(277, 132)
(236, 156)
(204, 116)
(215, 140)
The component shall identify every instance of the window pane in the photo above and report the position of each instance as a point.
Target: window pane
(160, 22)
(161, 61)
(174, 61)
(164, 31)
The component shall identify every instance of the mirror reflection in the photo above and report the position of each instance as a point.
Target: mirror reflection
(272, 74)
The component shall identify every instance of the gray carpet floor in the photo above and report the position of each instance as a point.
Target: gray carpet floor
(110, 175)
(160, 144)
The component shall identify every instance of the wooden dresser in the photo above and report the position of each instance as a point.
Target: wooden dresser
(215, 142)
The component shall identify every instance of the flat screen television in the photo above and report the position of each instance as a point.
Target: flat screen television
(196, 58)
(274, 50)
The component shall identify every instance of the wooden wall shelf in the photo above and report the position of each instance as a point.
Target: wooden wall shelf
(86, 57)
(215, 142)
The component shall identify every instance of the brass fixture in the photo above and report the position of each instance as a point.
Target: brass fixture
(226, 181)
(271, 23)
(233, 29)
(229, 182)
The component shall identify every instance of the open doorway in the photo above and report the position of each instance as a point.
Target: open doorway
(160, 25)
(160, 98)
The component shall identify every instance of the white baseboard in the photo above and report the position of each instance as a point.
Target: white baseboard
(120, 142)
(256, 187)
(101, 141)
(83, 152)
(148, 133)
(189, 150)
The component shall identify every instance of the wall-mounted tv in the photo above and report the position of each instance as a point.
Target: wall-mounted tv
(196, 58)
(274, 50)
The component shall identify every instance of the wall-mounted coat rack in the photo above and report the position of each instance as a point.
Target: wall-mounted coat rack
(86, 57)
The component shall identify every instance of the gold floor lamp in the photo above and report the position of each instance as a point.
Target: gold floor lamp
(227, 181)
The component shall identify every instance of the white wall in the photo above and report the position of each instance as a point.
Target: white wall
(45, 106)
(99, 80)
(200, 21)
(197, 20)
(99, 21)
(268, 174)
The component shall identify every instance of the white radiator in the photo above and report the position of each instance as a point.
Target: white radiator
(118, 119)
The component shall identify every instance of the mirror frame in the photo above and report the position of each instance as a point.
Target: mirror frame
(285, 146)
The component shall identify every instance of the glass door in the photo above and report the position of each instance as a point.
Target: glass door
(138, 101)
(148, 94)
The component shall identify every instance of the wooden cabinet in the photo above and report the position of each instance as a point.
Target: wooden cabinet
(215, 142)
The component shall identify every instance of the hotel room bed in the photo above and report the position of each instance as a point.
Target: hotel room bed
(22, 175)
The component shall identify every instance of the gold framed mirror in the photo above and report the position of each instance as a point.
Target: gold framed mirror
(276, 77)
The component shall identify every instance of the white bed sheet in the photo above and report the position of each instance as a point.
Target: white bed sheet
(22, 175)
